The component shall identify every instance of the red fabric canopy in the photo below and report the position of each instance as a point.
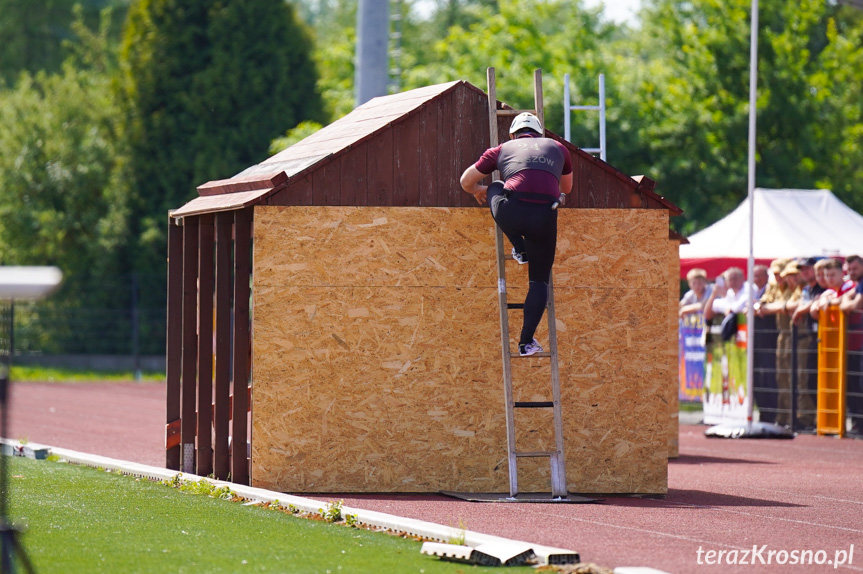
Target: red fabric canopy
(716, 265)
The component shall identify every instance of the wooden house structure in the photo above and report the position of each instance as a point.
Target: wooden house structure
(344, 293)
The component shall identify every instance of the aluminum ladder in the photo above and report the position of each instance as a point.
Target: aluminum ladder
(556, 456)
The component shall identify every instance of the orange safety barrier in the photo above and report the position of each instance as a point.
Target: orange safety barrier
(831, 372)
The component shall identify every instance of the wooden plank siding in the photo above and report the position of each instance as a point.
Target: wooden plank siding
(406, 177)
(188, 400)
(242, 345)
(222, 391)
(206, 287)
(379, 165)
(353, 182)
(174, 344)
(209, 345)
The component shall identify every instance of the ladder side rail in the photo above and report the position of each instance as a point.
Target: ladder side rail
(602, 150)
(537, 97)
(602, 146)
(566, 109)
(502, 302)
(558, 462)
(507, 364)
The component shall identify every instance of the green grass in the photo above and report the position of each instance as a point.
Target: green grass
(690, 407)
(85, 520)
(52, 375)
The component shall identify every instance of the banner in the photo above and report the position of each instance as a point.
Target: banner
(692, 355)
(724, 395)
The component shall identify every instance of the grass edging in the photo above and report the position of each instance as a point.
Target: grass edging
(366, 518)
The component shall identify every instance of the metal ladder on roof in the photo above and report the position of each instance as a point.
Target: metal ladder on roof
(556, 456)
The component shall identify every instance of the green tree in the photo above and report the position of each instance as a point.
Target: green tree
(686, 94)
(207, 84)
(838, 96)
(35, 35)
(59, 205)
(334, 26)
(515, 38)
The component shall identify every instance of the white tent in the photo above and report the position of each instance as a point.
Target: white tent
(788, 223)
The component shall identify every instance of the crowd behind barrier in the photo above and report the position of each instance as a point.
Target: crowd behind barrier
(800, 378)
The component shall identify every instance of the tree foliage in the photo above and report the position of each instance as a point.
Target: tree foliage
(36, 35)
(59, 132)
(207, 84)
(333, 24)
(516, 38)
(677, 85)
(687, 84)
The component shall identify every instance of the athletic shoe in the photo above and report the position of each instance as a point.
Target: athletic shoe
(520, 257)
(525, 350)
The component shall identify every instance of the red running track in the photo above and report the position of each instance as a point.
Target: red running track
(729, 496)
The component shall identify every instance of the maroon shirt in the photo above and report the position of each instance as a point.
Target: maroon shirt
(539, 181)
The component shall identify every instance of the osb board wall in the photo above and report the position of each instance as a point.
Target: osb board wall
(673, 349)
(376, 353)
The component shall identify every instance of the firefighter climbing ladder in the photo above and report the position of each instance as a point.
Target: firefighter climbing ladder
(556, 456)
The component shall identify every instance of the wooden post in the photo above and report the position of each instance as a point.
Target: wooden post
(206, 274)
(173, 351)
(221, 410)
(242, 347)
(188, 392)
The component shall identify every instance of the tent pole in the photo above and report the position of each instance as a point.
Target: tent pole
(750, 310)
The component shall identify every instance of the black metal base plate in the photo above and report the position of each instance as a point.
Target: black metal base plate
(531, 497)
(749, 430)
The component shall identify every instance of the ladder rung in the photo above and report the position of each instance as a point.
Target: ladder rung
(520, 306)
(535, 453)
(516, 355)
(533, 404)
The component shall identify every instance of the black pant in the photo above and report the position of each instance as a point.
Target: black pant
(532, 229)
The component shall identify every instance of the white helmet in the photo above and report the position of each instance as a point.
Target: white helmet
(526, 120)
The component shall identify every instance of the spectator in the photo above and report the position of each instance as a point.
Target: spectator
(811, 290)
(812, 281)
(852, 300)
(699, 290)
(775, 302)
(764, 340)
(760, 278)
(852, 304)
(730, 294)
(836, 286)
